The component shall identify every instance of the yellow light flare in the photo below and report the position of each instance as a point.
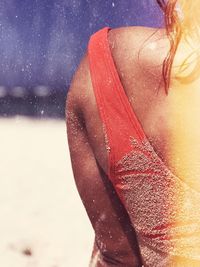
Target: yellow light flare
(189, 14)
(184, 162)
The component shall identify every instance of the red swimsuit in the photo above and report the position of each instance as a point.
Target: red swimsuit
(165, 224)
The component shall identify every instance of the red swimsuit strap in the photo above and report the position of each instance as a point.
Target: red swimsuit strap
(119, 120)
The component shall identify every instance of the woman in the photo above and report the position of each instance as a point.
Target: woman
(132, 112)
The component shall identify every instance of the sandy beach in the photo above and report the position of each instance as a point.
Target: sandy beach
(43, 222)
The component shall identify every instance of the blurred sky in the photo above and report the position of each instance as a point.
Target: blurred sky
(42, 41)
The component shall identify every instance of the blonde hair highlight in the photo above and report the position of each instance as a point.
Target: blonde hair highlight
(182, 21)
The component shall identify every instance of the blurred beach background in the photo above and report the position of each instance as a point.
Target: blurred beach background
(43, 222)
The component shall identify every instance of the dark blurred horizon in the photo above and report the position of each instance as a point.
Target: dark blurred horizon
(42, 42)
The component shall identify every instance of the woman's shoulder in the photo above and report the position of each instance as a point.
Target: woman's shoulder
(139, 50)
(135, 34)
(148, 44)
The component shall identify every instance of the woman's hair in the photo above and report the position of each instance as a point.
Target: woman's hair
(182, 21)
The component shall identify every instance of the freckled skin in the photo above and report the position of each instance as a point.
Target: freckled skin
(140, 69)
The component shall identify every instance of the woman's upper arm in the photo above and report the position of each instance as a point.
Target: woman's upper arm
(103, 207)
